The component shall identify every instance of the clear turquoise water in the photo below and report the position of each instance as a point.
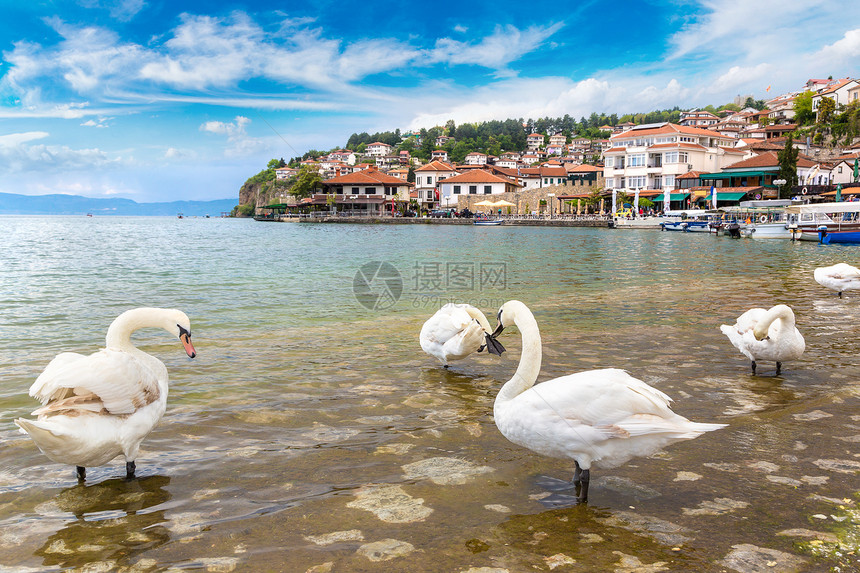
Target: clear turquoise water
(301, 400)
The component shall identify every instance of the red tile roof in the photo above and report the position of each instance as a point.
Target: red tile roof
(766, 159)
(436, 166)
(479, 176)
(669, 128)
(370, 176)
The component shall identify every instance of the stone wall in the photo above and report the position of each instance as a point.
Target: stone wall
(528, 200)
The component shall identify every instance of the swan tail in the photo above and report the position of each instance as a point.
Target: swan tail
(48, 438)
(679, 428)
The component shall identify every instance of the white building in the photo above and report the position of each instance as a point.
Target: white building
(378, 149)
(474, 182)
(651, 156)
(428, 177)
(476, 158)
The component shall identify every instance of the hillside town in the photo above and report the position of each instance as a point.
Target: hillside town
(736, 150)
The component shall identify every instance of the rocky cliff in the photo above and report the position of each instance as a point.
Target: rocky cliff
(263, 193)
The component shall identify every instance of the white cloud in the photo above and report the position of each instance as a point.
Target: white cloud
(461, 29)
(234, 129)
(240, 144)
(15, 139)
(845, 50)
(100, 122)
(505, 45)
(40, 157)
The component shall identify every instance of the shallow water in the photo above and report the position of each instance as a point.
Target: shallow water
(312, 434)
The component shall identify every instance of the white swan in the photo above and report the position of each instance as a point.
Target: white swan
(767, 335)
(598, 416)
(839, 277)
(99, 406)
(456, 331)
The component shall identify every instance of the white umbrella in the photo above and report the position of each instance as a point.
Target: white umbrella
(614, 192)
(636, 203)
(666, 198)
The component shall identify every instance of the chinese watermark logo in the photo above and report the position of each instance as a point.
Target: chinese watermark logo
(379, 285)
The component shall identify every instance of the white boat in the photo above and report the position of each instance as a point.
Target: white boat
(767, 219)
(827, 222)
(487, 222)
(692, 221)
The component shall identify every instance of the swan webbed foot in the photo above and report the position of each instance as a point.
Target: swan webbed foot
(778, 368)
(445, 366)
(129, 470)
(82, 472)
(753, 367)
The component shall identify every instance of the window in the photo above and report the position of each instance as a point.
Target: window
(637, 182)
(658, 182)
(637, 160)
(669, 181)
(456, 189)
(610, 182)
(370, 190)
(488, 189)
(609, 161)
(473, 189)
(670, 157)
(355, 191)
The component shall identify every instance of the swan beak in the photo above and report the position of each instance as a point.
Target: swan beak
(498, 330)
(186, 342)
(494, 346)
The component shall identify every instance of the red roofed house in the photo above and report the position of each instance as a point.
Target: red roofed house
(378, 149)
(476, 158)
(474, 182)
(758, 171)
(427, 178)
(651, 156)
(534, 141)
(370, 191)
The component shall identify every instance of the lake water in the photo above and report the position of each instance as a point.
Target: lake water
(311, 433)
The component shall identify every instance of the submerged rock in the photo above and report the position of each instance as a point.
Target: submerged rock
(718, 506)
(444, 471)
(336, 537)
(632, 564)
(660, 530)
(558, 560)
(748, 558)
(687, 476)
(385, 550)
(809, 534)
(841, 466)
(626, 486)
(813, 415)
(391, 504)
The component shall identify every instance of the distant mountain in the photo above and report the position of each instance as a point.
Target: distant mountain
(14, 204)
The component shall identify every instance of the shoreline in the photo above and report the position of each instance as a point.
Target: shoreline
(558, 222)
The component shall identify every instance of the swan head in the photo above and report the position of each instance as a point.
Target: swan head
(182, 329)
(507, 315)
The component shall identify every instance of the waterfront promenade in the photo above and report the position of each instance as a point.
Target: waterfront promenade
(519, 220)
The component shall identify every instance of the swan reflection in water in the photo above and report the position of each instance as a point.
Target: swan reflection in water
(114, 520)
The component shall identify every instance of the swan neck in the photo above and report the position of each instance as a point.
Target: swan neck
(480, 317)
(780, 312)
(120, 331)
(530, 359)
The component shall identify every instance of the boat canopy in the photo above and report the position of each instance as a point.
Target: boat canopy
(840, 207)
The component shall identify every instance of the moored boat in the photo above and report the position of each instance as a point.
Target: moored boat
(487, 222)
(827, 222)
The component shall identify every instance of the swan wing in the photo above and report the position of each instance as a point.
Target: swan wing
(109, 379)
(602, 398)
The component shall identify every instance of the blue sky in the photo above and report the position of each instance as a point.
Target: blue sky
(157, 100)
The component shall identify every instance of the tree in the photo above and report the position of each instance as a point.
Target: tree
(803, 113)
(410, 175)
(787, 167)
(307, 182)
(826, 107)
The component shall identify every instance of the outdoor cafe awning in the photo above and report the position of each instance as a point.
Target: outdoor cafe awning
(730, 196)
(729, 175)
(672, 197)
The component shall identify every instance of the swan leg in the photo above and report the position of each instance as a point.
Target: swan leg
(840, 294)
(778, 368)
(82, 472)
(753, 367)
(129, 470)
(582, 495)
(577, 474)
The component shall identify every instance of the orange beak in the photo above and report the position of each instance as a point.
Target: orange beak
(186, 342)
